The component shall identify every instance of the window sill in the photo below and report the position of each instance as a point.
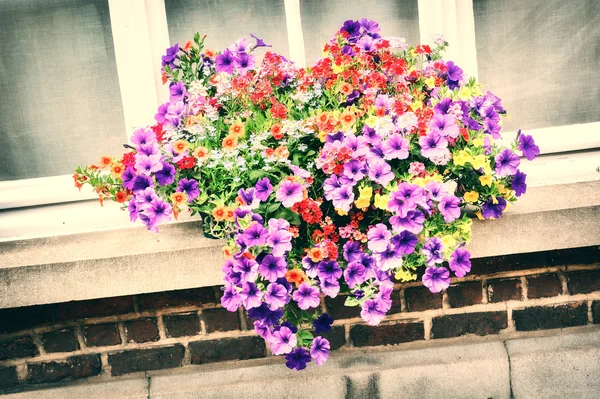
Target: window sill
(79, 251)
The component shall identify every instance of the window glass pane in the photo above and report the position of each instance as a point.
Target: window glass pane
(322, 19)
(225, 21)
(60, 104)
(541, 57)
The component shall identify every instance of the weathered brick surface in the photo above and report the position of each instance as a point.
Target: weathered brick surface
(190, 297)
(182, 324)
(220, 319)
(386, 334)
(132, 361)
(16, 348)
(543, 286)
(483, 323)
(465, 294)
(17, 319)
(547, 317)
(337, 310)
(420, 298)
(93, 308)
(501, 290)
(336, 337)
(583, 282)
(70, 369)
(60, 341)
(596, 312)
(101, 334)
(227, 349)
(8, 377)
(142, 330)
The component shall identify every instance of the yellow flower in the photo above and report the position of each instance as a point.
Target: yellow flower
(364, 198)
(381, 201)
(418, 104)
(486, 180)
(430, 82)
(478, 161)
(471, 196)
(404, 275)
(448, 241)
(479, 216)
(322, 136)
(462, 158)
(337, 69)
(475, 90)
(341, 212)
(464, 93)
(371, 121)
(478, 142)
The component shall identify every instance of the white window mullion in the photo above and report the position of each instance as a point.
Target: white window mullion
(133, 54)
(158, 30)
(294, 32)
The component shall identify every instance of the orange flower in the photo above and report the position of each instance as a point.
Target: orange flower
(121, 196)
(201, 153)
(179, 199)
(282, 152)
(209, 53)
(105, 162)
(347, 118)
(295, 276)
(227, 252)
(269, 152)
(77, 183)
(323, 118)
(180, 146)
(276, 131)
(229, 214)
(117, 170)
(230, 142)
(219, 213)
(237, 129)
(345, 88)
(315, 254)
(187, 46)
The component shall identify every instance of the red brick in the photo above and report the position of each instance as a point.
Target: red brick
(70, 311)
(220, 319)
(596, 312)
(60, 341)
(420, 298)
(189, 297)
(482, 323)
(387, 334)
(548, 317)
(182, 324)
(8, 377)
(336, 337)
(18, 348)
(132, 361)
(18, 319)
(502, 290)
(142, 330)
(583, 282)
(72, 368)
(101, 334)
(220, 350)
(337, 310)
(543, 286)
(465, 294)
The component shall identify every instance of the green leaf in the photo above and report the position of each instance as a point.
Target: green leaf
(288, 215)
(351, 301)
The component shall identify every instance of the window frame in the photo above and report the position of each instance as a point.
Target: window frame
(140, 35)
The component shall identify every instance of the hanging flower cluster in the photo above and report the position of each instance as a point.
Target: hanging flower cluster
(341, 178)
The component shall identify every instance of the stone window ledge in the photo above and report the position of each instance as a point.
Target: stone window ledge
(129, 261)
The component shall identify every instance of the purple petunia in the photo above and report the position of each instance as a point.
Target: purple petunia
(319, 350)
(354, 274)
(128, 178)
(449, 208)
(190, 187)
(379, 237)
(244, 62)
(355, 170)
(460, 262)
(280, 241)
(323, 323)
(231, 299)
(366, 43)
(405, 242)
(518, 183)
(329, 270)
(433, 145)
(225, 62)
(396, 147)
(445, 125)
(307, 296)
(436, 278)
(166, 175)
(372, 312)
(389, 259)
(259, 42)
(352, 250)
(297, 359)
(289, 193)
(330, 288)
(412, 222)
(147, 164)
(247, 269)
(380, 171)
(343, 197)
(141, 182)
(160, 116)
(352, 28)
(177, 91)
(454, 73)
(143, 136)
(493, 208)
(507, 163)
(255, 235)
(272, 267)
(159, 211)
(282, 341)
(433, 250)
(170, 57)
(251, 295)
(263, 189)
(527, 146)
(276, 296)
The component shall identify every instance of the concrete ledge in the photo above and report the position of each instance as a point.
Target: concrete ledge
(133, 261)
(559, 363)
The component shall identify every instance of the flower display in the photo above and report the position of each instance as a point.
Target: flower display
(343, 178)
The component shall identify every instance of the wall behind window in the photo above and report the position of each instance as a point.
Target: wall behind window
(60, 104)
(541, 57)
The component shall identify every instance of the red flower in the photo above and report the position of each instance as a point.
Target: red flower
(186, 163)
(128, 159)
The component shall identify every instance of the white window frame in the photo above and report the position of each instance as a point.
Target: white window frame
(140, 36)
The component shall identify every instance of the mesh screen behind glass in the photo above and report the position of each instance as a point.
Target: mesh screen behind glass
(60, 104)
(541, 57)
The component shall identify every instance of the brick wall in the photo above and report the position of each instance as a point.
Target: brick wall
(507, 296)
